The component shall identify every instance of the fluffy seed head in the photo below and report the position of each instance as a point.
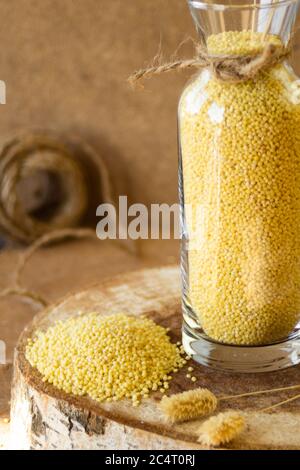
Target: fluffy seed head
(189, 405)
(222, 428)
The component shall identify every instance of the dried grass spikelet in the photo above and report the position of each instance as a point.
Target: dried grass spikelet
(188, 405)
(221, 429)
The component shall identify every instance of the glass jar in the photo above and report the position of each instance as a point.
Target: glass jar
(239, 179)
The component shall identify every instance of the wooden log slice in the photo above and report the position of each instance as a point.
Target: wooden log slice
(43, 417)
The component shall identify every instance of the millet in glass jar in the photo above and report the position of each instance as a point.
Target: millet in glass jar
(240, 146)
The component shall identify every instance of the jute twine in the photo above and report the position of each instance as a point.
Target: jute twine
(17, 289)
(227, 68)
(230, 69)
(49, 182)
(81, 182)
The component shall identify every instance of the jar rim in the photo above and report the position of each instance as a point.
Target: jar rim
(207, 5)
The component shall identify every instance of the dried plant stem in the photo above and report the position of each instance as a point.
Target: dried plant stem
(259, 392)
(288, 400)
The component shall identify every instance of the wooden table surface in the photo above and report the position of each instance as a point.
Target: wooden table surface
(85, 262)
(155, 293)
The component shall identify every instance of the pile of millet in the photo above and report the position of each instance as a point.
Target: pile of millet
(240, 148)
(106, 358)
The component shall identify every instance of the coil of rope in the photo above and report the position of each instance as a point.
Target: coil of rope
(49, 182)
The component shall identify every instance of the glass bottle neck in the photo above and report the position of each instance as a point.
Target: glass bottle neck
(275, 17)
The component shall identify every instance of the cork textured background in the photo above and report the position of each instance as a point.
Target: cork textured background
(65, 63)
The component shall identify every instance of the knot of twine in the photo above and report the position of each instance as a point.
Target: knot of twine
(49, 182)
(227, 68)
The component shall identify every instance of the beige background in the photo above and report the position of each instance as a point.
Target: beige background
(66, 62)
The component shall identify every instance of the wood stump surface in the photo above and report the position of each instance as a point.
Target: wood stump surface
(43, 417)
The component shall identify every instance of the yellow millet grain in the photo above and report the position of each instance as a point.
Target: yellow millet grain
(107, 358)
(236, 43)
(241, 172)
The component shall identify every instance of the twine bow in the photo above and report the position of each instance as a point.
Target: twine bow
(227, 68)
